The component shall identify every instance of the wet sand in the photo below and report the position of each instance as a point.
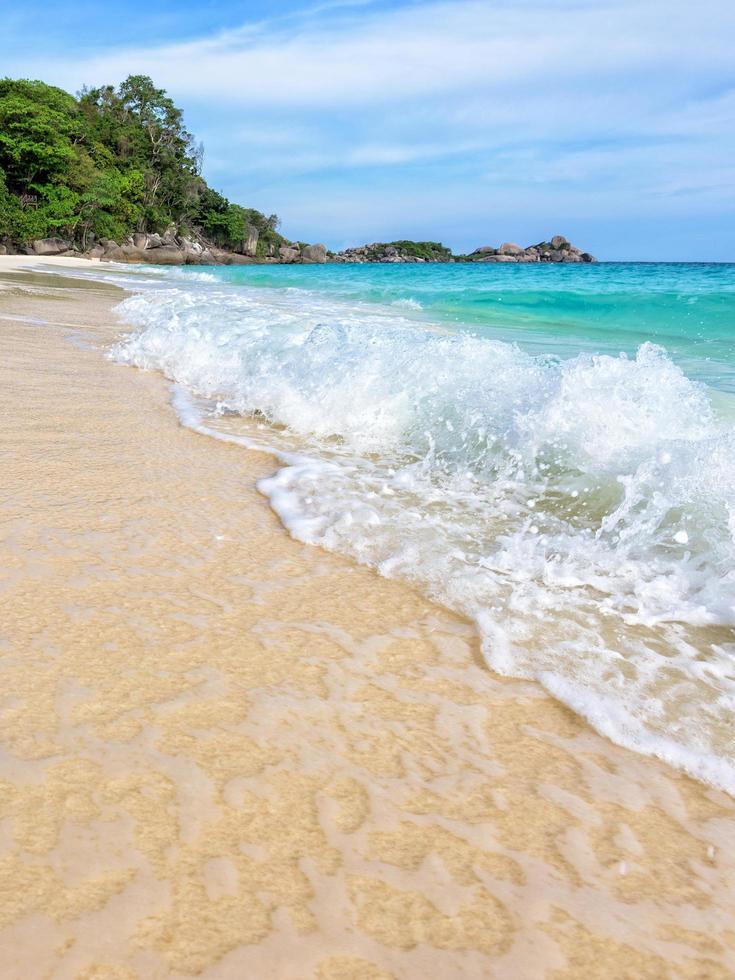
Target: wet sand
(225, 754)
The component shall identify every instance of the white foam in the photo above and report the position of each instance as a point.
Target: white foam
(407, 303)
(582, 512)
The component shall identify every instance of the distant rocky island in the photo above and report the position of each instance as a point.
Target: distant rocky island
(113, 174)
(558, 249)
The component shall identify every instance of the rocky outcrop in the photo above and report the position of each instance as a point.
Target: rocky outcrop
(559, 249)
(403, 251)
(171, 248)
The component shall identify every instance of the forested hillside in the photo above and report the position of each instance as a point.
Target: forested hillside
(108, 164)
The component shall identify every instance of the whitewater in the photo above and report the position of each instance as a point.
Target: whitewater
(549, 452)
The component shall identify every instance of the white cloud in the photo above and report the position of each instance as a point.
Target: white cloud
(435, 49)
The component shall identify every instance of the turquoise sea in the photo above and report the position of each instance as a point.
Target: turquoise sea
(557, 309)
(549, 450)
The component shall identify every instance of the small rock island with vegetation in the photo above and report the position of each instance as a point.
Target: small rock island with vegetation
(113, 174)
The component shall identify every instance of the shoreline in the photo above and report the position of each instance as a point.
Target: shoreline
(230, 754)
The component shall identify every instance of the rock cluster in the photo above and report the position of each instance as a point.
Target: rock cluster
(559, 249)
(171, 248)
(306, 254)
(174, 249)
(374, 253)
(394, 252)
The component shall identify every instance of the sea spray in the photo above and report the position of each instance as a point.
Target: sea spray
(580, 510)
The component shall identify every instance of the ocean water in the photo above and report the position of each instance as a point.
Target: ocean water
(549, 450)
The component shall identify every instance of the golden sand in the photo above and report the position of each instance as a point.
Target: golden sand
(225, 754)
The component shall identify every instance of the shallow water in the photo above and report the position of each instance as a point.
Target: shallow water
(549, 450)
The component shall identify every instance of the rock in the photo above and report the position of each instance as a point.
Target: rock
(192, 251)
(190, 246)
(95, 252)
(3, 250)
(559, 242)
(140, 240)
(288, 254)
(586, 257)
(250, 245)
(165, 255)
(154, 241)
(206, 258)
(222, 258)
(49, 246)
(169, 235)
(112, 251)
(485, 250)
(133, 254)
(315, 254)
(498, 258)
(510, 248)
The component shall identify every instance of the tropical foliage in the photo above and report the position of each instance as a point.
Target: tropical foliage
(111, 162)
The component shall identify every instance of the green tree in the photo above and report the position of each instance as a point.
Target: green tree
(106, 164)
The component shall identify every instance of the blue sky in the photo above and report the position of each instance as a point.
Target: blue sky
(467, 121)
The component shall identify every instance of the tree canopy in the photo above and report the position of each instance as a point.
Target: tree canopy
(106, 164)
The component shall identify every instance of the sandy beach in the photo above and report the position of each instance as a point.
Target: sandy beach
(226, 754)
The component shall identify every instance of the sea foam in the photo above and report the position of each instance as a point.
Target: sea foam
(580, 511)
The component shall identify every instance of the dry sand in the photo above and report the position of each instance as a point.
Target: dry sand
(228, 755)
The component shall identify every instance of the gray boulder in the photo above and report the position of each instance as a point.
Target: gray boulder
(112, 251)
(165, 255)
(140, 240)
(559, 242)
(192, 251)
(49, 246)
(315, 254)
(288, 254)
(250, 245)
(133, 254)
(510, 248)
(169, 235)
